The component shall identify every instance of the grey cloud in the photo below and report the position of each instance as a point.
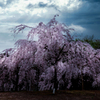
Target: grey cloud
(41, 4)
(88, 16)
(26, 18)
(29, 19)
(1, 4)
(54, 6)
(9, 1)
(30, 6)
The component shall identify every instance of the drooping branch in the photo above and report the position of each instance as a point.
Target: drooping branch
(19, 28)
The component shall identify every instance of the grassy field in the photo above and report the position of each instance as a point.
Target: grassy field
(48, 95)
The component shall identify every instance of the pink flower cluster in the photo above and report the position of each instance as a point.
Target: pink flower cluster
(50, 62)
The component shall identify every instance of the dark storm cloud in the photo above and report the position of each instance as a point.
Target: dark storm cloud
(91, 14)
(88, 17)
(87, 14)
(92, 1)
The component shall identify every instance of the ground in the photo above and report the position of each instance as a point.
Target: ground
(47, 95)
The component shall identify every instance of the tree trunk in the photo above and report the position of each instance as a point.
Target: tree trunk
(17, 78)
(55, 81)
(82, 80)
(37, 77)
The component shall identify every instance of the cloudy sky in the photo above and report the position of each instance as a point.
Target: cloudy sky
(82, 15)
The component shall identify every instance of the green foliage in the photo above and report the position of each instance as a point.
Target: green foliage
(94, 43)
